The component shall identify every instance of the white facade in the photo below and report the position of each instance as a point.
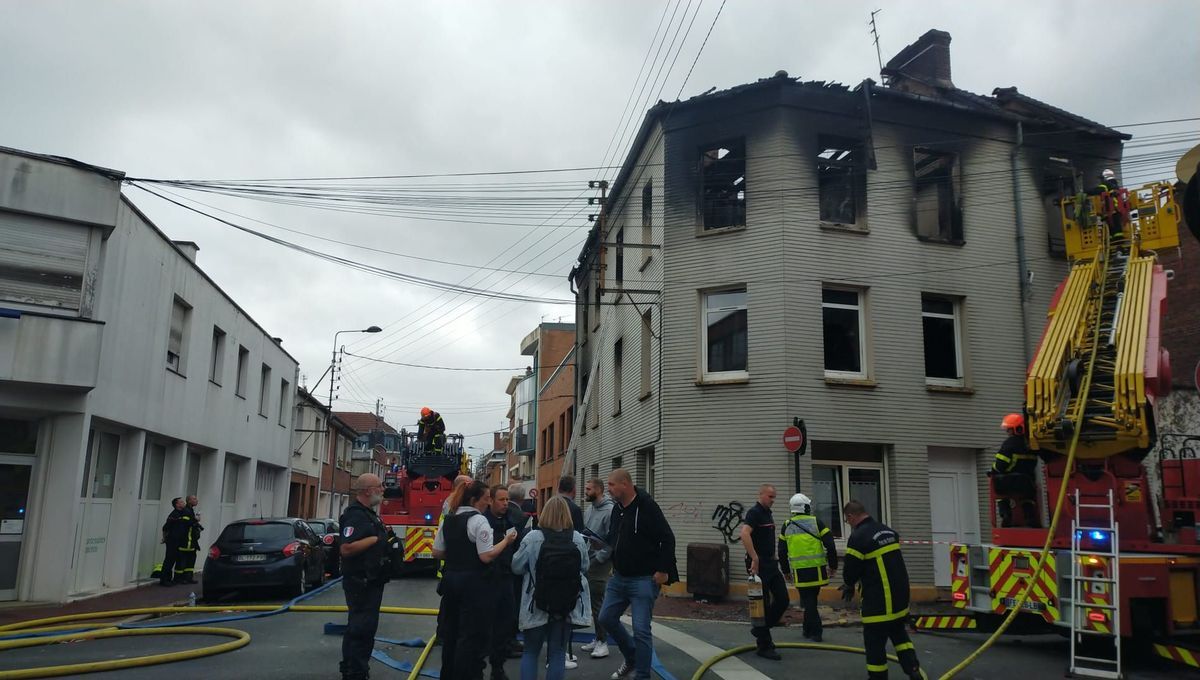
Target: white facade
(127, 377)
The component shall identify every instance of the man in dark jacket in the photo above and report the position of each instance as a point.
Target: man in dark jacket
(643, 557)
(185, 564)
(873, 558)
(502, 516)
(566, 489)
(759, 537)
(175, 532)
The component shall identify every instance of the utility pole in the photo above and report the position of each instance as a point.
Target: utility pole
(875, 33)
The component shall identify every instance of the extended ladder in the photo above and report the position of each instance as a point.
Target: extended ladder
(1095, 590)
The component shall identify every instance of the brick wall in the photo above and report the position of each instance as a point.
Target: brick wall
(1181, 326)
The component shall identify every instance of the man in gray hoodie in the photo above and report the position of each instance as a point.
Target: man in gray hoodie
(597, 513)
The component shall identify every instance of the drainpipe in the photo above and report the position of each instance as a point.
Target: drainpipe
(1022, 265)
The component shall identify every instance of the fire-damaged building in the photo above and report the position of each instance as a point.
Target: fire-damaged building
(873, 259)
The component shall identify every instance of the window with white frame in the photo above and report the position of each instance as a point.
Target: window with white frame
(843, 472)
(181, 315)
(943, 340)
(647, 219)
(216, 360)
(284, 393)
(725, 333)
(843, 322)
(264, 390)
(644, 358)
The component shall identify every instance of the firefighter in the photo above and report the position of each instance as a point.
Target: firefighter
(185, 563)
(1013, 473)
(1108, 187)
(431, 431)
(873, 559)
(175, 532)
(812, 558)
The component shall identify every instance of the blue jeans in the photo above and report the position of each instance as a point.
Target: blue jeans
(622, 592)
(554, 635)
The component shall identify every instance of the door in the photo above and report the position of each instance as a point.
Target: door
(14, 494)
(96, 499)
(953, 506)
(150, 514)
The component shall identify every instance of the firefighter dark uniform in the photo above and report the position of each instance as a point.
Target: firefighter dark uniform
(775, 592)
(873, 559)
(1012, 476)
(176, 531)
(810, 552)
(185, 563)
(431, 431)
(1113, 206)
(363, 578)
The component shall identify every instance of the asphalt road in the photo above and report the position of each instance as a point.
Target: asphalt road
(294, 645)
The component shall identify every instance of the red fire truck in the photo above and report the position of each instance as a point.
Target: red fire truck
(414, 491)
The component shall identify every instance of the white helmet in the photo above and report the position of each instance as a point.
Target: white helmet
(1108, 174)
(800, 504)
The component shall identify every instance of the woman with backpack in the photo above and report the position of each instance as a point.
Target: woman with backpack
(554, 560)
(468, 581)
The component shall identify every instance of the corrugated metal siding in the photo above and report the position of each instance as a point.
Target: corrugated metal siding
(719, 442)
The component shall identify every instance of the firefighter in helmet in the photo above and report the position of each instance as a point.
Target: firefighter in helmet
(431, 431)
(811, 557)
(1013, 473)
(1108, 187)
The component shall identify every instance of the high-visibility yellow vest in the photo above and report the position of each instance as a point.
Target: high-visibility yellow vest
(805, 549)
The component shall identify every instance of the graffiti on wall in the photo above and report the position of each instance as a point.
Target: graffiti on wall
(682, 510)
(727, 519)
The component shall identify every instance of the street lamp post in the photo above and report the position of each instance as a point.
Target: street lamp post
(329, 419)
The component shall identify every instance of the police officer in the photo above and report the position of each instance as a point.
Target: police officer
(812, 558)
(503, 516)
(366, 555)
(873, 559)
(175, 533)
(1013, 473)
(758, 536)
(431, 431)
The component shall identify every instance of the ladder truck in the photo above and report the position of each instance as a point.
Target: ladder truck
(1124, 562)
(414, 491)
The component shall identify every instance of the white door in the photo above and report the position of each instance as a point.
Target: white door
(96, 510)
(264, 491)
(953, 506)
(150, 550)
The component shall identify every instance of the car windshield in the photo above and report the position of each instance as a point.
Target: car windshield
(317, 526)
(266, 532)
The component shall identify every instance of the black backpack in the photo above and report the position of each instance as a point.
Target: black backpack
(557, 586)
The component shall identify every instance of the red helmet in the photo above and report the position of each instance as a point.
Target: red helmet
(1014, 422)
(426, 411)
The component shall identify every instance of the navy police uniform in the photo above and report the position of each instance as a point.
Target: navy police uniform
(363, 578)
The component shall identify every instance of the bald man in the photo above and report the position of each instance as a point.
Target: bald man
(365, 552)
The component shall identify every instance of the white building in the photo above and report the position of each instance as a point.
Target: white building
(127, 377)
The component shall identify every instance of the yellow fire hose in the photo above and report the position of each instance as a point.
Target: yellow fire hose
(704, 667)
(109, 630)
(421, 659)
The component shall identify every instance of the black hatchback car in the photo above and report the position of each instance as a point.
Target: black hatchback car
(253, 553)
(328, 530)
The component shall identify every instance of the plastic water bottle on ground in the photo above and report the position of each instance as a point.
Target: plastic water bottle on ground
(192, 599)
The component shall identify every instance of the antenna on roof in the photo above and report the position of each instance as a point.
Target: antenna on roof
(875, 33)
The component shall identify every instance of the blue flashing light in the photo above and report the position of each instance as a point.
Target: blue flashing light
(1099, 535)
(21, 511)
(428, 517)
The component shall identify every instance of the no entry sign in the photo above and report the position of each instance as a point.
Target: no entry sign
(793, 439)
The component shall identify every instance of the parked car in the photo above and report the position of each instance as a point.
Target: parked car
(253, 553)
(329, 531)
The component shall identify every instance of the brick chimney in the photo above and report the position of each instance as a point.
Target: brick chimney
(923, 66)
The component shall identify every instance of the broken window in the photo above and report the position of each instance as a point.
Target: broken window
(938, 213)
(181, 314)
(723, 185)
(842, 184)
(1057, 183)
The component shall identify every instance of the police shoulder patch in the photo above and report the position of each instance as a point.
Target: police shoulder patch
(348, 532)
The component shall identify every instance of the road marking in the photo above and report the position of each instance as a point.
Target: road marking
(732, 668)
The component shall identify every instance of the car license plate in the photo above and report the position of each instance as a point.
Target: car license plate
(1029, 605)
(251, 558)
(424, 556)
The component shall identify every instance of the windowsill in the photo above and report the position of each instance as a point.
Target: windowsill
(850, 382)
(171, 370)
(645, 263)
(844, 228)
(645, 396)
(941, 241)
(713, 380)
(949, 389)
(720, 230)
(214, 382)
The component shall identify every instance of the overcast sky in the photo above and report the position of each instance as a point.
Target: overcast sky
(318, 89)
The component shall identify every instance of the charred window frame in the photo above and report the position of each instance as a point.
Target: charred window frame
(936, 196)
(1057, 183)
(723, 185)
(841, 180)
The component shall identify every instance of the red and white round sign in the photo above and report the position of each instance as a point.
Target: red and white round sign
(793, 439)
(533, 493)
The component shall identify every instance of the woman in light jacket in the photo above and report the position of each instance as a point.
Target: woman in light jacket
(535, 623)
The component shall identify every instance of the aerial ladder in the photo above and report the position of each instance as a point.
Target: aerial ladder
(1127, 563)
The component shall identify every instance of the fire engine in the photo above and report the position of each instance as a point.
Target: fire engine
(1124, 562)
(414, 491)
